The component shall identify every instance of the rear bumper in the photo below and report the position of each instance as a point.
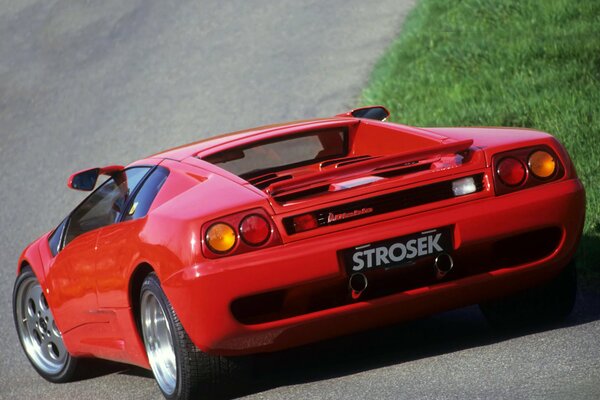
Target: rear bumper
(202, 294)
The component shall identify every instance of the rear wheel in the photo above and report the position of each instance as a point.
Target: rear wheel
(181, 370)
(549, 303)
(37, 330)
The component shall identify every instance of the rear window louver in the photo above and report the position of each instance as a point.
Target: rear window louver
(264, 181)
(385, 203)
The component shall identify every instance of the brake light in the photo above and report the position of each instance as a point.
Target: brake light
(239, 233)
(255, 230)
(524, 168)
(304, 222)
(511, 171)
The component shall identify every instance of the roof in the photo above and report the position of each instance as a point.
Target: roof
(202, 146)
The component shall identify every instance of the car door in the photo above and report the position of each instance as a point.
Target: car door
(72, 275)
(120, 244)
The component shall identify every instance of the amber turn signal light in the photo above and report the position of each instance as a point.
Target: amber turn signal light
(542, 164)
(220, 237)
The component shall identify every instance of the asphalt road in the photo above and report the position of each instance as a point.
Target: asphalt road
(91, 83)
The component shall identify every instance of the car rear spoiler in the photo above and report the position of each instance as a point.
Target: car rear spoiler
(367, 166)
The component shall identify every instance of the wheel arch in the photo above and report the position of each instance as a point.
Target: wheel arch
(136, 280)
(23, 264)
(31, 257)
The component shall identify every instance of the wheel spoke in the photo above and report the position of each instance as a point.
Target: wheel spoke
(45, 348)
(29, 324)
(60, 347)
(55, 330)
(41, 299)
(33, 294)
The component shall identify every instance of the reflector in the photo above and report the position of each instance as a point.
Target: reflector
(305, 222)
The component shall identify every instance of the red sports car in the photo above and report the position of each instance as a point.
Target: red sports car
(284, 235)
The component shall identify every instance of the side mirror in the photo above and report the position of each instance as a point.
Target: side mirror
(86, 179)
(379, 113)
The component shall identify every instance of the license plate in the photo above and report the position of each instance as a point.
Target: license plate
(398, 251)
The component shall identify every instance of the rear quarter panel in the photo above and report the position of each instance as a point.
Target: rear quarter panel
(191, 197)
(497, 139)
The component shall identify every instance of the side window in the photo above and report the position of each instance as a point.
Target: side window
(146, 194)
(106, 205)
(54, 239)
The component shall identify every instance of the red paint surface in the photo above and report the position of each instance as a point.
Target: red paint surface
(88, 284)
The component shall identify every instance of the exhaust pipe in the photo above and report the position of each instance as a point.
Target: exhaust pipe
(357, 284)
(443, 264)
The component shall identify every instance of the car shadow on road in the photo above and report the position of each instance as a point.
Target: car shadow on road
(440, 334)
(95, 368)
(437, 335)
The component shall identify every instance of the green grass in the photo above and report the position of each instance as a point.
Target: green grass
(528, 63)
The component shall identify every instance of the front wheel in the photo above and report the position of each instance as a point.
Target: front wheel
(37, 330)
(181, 370)
(549, 303)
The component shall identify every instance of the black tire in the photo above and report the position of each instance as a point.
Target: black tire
(59, 370)
(546, 304)
(197, 373)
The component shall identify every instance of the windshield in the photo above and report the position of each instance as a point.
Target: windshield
(282, 153)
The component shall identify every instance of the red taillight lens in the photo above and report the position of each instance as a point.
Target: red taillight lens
(305, 222)
(511, 171)
(255, 230)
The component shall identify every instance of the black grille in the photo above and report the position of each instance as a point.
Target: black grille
(385, 203)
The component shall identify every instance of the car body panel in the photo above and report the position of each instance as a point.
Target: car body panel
(498, 139)
(313, 260)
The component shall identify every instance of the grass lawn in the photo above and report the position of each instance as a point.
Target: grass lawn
(528, 63)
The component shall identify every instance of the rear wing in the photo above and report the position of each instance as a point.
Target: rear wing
(367, 166)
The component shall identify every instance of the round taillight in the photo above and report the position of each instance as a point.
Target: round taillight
(220, 237)
(542, 164)
(255, 230)
(511, 171)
